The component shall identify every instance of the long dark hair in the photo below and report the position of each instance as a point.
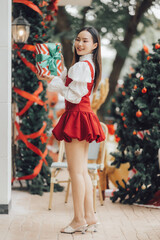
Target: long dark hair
(96, 55)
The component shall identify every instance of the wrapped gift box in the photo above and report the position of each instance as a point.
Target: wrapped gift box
(48, 59)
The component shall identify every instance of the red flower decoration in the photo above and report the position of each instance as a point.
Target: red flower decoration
(36, 36)
(111, 129)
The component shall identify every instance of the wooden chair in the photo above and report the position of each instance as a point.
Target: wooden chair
(96, 157)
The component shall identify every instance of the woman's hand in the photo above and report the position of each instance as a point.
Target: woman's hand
(46, 78)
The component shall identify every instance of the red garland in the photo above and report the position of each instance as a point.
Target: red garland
(31, 97)
(27, 63)
(28, 47)
(29, 4)
(36, 150)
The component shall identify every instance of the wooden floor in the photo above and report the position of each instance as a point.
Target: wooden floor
(29, 219)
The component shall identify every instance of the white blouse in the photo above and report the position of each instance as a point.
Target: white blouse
(80, 73)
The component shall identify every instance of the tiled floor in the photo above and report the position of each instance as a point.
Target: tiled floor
(30, 219)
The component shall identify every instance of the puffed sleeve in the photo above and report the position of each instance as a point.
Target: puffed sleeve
(80, 75)
(80, 72)
(64, 74)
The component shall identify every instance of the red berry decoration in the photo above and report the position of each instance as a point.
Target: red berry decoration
(144, 90)
(157, 46)
(141, 78)
(123, 93)
(138, 113)
(125, 125)
(122, 114)
(135, 87)
(123, 118)
(134, 132)
(149, 57)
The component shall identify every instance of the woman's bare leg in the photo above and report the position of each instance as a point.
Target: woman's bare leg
(75, 157)
(88, 201)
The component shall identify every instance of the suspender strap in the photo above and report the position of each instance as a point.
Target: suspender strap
(91, 68)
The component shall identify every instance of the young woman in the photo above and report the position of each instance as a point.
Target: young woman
(79, 126)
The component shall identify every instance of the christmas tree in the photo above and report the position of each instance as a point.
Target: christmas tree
(136, 108)
(31, 156)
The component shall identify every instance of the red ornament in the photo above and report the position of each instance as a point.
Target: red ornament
(125, 125)
(145, 48)
(123, 118)
(135, 87)
(149, 57)
(123, 93)
(134, 132)
(157, 46)
(141, 78)
(138, 113)
(122, 114)
(144, 90)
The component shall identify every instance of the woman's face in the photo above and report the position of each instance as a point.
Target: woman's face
(84, 43)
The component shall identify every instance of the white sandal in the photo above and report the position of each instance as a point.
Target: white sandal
(93, 227)
(71, 230)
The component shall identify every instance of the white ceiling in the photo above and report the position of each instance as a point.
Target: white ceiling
(74, 2)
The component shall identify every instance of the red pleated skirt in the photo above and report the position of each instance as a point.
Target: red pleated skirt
(78, 122)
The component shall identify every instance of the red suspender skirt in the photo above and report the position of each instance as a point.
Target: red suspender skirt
(78, 121)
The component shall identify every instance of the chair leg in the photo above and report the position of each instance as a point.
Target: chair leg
(51, 190)
(100, 193)
(67, 192)
(94, 190)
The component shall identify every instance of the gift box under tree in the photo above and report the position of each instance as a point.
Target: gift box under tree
(48, 59)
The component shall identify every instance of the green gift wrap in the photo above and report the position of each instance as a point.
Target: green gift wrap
(48, 59)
